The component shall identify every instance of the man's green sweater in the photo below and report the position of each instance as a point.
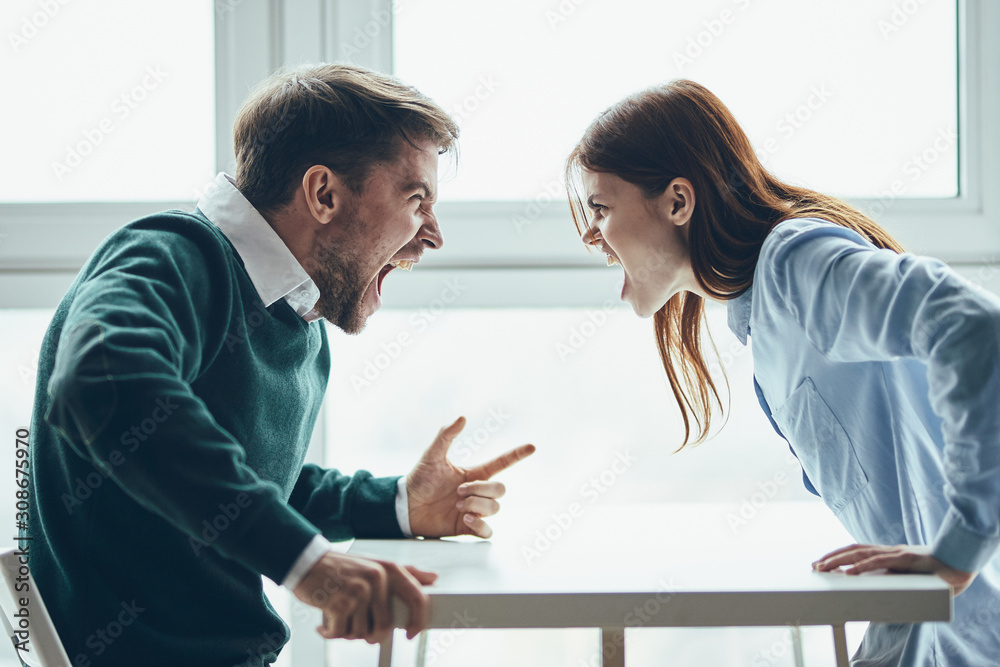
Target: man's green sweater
(171, 421)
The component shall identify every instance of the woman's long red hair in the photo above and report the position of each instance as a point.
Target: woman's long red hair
(682, 129)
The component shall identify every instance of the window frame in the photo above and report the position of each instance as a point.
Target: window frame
(44, 245)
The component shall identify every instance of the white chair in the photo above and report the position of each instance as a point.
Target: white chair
(43, 646)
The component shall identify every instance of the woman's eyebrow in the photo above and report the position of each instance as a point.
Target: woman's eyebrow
(590, 200)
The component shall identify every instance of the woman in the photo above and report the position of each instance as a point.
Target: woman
(881, 369)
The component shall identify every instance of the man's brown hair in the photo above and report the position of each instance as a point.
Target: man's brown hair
(344, 117)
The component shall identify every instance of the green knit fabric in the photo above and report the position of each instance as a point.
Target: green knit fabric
(171, 421)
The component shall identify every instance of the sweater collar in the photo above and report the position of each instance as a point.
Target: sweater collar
(273, 269)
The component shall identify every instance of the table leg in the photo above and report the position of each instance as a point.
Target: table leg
(612, 647)
(840, 645)
(385, 651)
(422, 648)
(797, 645)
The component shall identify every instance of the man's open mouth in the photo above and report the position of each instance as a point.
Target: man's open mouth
(404, 264)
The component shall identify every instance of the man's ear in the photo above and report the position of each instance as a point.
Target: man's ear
(325, 193)
(677, 201)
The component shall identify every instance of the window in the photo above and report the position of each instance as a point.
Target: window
(815, 85)
(110, 110)
(584, 384)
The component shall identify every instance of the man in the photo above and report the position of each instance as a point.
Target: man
(181, 377)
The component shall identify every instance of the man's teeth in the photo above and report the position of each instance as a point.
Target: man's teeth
(404, 264)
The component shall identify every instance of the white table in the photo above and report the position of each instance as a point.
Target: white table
(654, 566)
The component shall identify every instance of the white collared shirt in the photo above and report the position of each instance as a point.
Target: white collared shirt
(276, 274)
(273, 269)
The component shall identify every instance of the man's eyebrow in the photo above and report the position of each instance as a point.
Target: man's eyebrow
(421, 185)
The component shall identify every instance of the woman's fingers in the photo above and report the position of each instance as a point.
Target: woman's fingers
(846, 556)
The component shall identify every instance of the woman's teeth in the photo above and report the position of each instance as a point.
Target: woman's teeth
(612, 261)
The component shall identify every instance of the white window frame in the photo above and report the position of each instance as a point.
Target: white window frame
(42, 246)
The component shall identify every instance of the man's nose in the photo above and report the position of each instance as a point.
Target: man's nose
(430, 233)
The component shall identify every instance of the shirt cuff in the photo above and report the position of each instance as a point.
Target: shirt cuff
(961, 548)
(403, 507)
(318, 546)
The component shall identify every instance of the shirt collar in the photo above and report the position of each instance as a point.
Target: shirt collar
(738, 311)
(273, 269)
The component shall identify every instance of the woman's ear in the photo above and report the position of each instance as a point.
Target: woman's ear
(677, 201)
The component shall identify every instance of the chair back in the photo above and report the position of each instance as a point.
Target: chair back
(28, 626)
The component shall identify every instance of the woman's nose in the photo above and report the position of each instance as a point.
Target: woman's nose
(592, 236)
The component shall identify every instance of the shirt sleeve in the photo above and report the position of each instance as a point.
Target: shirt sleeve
(318, 546)
(858, 303)
(403, 508)
(135, 337)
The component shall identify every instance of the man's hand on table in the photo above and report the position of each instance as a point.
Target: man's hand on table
(901, 558)
(445, 499)
(355, 595)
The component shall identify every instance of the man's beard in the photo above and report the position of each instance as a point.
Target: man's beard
(341, 288)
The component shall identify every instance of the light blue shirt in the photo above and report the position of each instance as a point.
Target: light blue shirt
(882, 371)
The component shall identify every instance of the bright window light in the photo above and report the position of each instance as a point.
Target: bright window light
(107, 101)
(848, 98)
(604, 398)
